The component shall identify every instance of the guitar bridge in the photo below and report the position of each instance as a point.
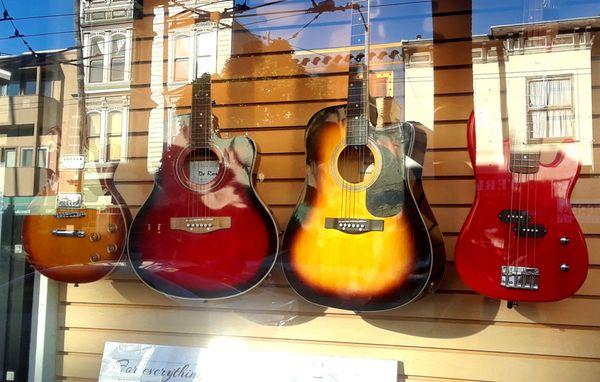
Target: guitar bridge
(200, 225)
(69, 215)
(520, 277)
(350, 225)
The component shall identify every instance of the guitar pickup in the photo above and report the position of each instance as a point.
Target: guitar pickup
(530, 230)
(520, 277)
(514, 216)
(69, 201)
(350, 225)
(200, 225)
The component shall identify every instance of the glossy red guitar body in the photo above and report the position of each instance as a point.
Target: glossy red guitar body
(486, 244)
(187, 262)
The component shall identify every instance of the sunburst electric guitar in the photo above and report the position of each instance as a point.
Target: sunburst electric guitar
(362, 236)
(203, 233)
(521, 241)
(77, 227)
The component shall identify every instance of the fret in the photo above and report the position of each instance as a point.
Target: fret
(357, 108)
(524, 162)
(201, 121)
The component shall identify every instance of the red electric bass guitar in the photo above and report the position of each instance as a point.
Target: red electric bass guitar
(203, 233)
(521, 241)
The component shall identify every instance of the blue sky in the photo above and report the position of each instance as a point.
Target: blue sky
(28, 8)
(392, 20)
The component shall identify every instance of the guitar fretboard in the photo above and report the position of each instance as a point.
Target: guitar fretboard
(525, 162)
(201, 122)
(358, 75)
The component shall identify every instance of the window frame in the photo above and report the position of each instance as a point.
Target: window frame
(570, 107)
(46, 152)
(104, 136)
(108, 135)
(3, 157)
(101, 39)
(113, 56)
(107, 38)
(173, 59)
(22, 157)
(193, 57)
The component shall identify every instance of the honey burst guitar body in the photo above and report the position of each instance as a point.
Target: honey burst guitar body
(203, 233)
(362, 244)
(521, 240)
(77, 237)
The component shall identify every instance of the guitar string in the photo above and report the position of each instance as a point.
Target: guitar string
(511, 186)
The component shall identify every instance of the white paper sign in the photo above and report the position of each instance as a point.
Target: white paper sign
(156, 363)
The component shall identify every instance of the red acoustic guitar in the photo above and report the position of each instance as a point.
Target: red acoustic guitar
(203, 233)
(521, 241)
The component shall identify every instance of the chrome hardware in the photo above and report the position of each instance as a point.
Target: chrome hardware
(520, 277)
(94, 236)
(69, 201)
(564, 240)
(565, 267)
(68, 233)
(112, 228)
(111, 248)
(69, 215)
(350, 225)
(94, 258)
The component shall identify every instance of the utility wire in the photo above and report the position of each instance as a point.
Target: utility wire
(17, 34)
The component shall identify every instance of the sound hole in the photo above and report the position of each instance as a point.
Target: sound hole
(202, 166)
(355, 163)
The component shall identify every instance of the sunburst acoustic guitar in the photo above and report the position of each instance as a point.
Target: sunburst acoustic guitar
(362, 237)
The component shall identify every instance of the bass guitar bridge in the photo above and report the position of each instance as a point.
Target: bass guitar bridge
(200, 224)
(520, 277)
(350, 225)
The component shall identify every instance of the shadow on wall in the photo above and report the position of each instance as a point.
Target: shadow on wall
(441, 315)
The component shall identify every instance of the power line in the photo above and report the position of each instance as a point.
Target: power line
(43, 16)
(37, 34)
(17, 34)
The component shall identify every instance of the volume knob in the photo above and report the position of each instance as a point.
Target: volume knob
(564, 240)
(565, 267)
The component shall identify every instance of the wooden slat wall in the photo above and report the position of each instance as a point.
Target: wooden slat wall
(452, 335)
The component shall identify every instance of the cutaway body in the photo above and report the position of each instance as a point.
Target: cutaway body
(204, 241)
(521, 240)
(360, 245)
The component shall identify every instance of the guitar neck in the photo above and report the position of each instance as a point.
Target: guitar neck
(358, 75)
(201, 119)
(524, 162)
